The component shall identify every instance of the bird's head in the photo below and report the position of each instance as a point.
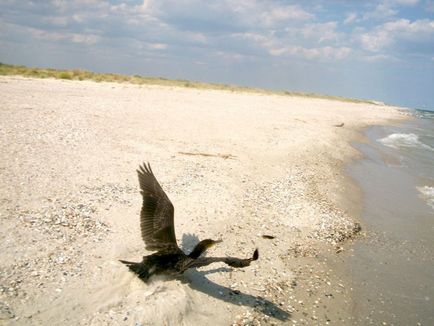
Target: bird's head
(202, 246)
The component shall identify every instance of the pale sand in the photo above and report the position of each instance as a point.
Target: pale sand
(70, 202)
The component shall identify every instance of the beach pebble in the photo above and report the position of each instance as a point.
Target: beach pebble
(5, 311)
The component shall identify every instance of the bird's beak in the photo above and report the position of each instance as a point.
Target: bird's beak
(217, 241)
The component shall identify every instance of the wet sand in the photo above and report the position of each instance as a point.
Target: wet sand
(267, 164)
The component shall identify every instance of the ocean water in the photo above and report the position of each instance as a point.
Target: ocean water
(392, 269)
(413, 144)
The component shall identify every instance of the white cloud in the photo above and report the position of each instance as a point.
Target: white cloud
(251, 13)
(59, 20)
(320, 53)
(382, 11)
(87, 2)
(79, 18)
(145, 6)
(235, 29)
(351, 18)
(387, 9)
(398, 30)
(157, 46)
(376, 41)
(60, 4)
(404, 2)
(379, 58)
(232, 56)
(273, 15)
(64, 36)
(263, 41)
(321, 31)
(300, 40)
(83, 38)
(407, 27)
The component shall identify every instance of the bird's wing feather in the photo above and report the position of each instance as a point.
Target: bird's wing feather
(156, 216)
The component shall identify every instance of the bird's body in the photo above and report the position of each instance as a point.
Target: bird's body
(158, 233)
(172, 264)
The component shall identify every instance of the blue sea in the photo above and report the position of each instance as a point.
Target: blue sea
(392, 269)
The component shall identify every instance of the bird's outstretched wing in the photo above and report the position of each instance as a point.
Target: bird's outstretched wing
(156, 216)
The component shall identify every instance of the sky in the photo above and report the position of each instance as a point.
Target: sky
(381, 50)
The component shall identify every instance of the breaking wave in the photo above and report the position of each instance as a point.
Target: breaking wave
(404, 140)
(427, 193)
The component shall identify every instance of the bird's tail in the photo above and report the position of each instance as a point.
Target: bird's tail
(138, 268)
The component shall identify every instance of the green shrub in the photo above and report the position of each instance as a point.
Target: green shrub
(65, 75)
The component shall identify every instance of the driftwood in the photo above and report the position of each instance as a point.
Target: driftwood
(224, 156)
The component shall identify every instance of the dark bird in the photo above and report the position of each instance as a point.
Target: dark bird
(158, 233)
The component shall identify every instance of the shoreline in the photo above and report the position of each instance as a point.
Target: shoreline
(276, 167)
(354, 204)
(397, 241)
(339, 284)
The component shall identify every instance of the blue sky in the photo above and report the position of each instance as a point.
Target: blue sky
(380, 50)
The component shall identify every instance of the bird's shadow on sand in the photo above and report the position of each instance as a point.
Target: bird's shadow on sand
(197, 280)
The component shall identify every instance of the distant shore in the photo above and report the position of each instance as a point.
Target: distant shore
(236, 165)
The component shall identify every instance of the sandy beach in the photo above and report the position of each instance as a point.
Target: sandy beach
(235, 165)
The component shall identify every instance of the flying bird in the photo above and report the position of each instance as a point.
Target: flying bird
(158, 233)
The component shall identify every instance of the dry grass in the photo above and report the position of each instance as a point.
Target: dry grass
(80, 74)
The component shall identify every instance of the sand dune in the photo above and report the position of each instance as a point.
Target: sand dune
(235, 165)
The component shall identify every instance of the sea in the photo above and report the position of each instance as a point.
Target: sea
(392, 267)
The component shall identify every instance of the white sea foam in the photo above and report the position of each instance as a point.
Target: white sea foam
(404, 140)
(427, 193)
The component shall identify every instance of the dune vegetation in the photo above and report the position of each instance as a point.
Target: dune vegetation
(81, 74)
